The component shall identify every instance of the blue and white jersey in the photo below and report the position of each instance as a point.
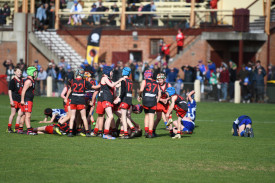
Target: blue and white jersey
(59, 113)
(243, 120)
(191, 113)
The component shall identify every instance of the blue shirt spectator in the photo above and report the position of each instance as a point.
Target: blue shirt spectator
(41, 13)
(172, 75)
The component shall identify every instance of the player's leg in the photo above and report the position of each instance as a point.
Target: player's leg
(28, 123)
(21, 123)
(178, 129)
(18, 118)
(109, 112)
(156, 122)
(13, 112)
(146, 123)
(241, 130)
(151, 123)
(72, 118)
(124, 123)
(85, 122)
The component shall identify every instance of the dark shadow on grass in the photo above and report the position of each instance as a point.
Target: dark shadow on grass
(196, 126)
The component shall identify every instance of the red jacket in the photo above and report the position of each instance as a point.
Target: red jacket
(224, 76)
(213, 4)
(165, 49)
(180, 39)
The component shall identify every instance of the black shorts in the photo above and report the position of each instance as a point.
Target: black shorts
(149, 110)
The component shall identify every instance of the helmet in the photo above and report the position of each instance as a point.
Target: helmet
(148, 74)
(161, 76)
(137, 109)
(126, 71)
(79, 72)
(87, 75)
(171, 91)
(31, 70)
(107, 70)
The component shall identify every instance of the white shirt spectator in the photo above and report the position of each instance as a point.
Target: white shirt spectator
(42, 75)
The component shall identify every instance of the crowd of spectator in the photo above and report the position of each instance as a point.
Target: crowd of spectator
(216, 82)
(4, 13)
(45, 15)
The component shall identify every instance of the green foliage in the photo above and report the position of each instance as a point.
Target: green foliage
(210, 154)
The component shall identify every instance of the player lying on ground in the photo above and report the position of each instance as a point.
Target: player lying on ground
(242, 127)
(56, 115)
(15, 88)
(179, 105)
(51, 129)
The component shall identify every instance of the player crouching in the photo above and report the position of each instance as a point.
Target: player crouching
(242, 126)
(179, 105)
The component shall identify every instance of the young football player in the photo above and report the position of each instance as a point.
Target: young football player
(125, 100)
(50, 129)
(242, 127)
(15, 89)
(150, 94)
(163, 104)
(106, 96)
(78, 87)
(179, 105)
(27, 98)
(55, 114)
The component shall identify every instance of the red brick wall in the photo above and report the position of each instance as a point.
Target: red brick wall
(8, 50)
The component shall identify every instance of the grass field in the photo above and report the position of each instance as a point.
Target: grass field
(211, 154)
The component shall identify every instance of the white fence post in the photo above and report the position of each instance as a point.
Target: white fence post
(49, 86)
(237, 93)
(197, 88)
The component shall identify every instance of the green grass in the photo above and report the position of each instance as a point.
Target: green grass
(211, 154)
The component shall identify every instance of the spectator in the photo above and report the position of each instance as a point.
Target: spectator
(259, 66)
(178, 85)
(133, 68)
(172, 75)
(41, 80)
(259, 81)
(153, 9)
(41, 17)
(91, 19)
(70, 4)
(140, 16)
(117, 71)
(224, 80)
(99, 8)
(111, 17)
(63, 64)
(77, 18)
(4, 14)
(164, 68)
(36, 65)
(203, 71)
(51, 13)
(131, 19)
(60, 79)
(180, 41)
(70, 73)
(211, 68)
(166, 50)
(214, 6)
(51, 72)
(10, 73)
(213, 81)
(233, 76)
(271, 73)
(138, 74)
(188, 78)
(145, 67)
(7, 64)
(156, 70)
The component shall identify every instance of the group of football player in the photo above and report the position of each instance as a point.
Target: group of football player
(83, 93)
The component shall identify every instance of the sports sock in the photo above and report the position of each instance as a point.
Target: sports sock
(71, 131)
(146, 129)
(150, 132)
(178, 132)
(171, 131)
(30, 129)
(20, 128)
(126, 133)
(154, 130)
(121, 131)
(16, 126)
(59, 125)
(78, 130)
(106, 132)
(9, 125)
(96, 130)
(87, 131)
(133, 128)
(100, 131)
